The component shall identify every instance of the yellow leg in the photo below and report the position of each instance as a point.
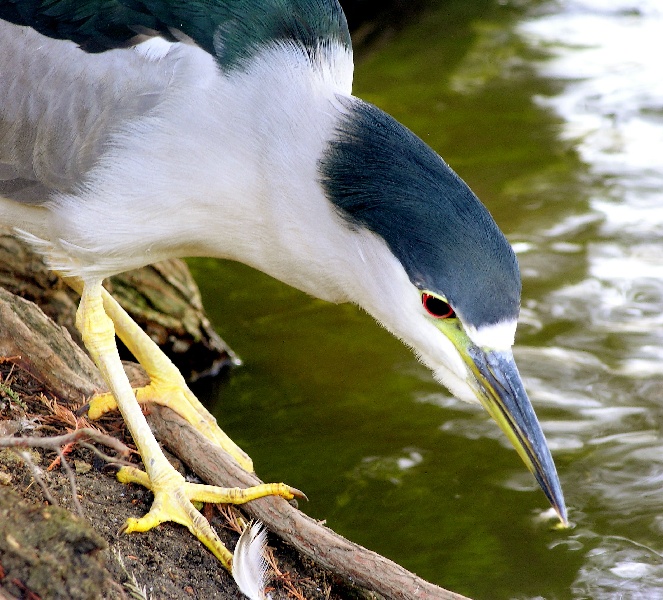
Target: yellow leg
(172, 494)
(167, 386)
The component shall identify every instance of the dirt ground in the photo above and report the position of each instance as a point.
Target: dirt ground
(50, 552)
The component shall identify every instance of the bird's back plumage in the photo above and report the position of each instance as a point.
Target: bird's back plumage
(120, 138)
(232, 30)
(60, 105)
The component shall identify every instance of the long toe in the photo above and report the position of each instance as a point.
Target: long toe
(173, 505)
(173, 498)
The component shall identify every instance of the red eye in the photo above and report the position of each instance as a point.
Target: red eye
(437, 307)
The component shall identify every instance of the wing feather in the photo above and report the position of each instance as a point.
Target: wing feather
(59, 107)
(60, 103)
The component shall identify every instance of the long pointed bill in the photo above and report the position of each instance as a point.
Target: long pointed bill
(497, 385)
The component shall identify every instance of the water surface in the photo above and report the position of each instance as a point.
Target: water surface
(553, 113)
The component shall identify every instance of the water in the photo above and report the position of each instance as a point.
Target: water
(553, 113)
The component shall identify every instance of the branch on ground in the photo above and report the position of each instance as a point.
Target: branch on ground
(80, 436)
(322, 545)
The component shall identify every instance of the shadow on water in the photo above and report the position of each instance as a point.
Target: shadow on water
(330, 403)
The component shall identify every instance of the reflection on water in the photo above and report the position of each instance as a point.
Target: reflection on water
(553, 112)
(612, 109)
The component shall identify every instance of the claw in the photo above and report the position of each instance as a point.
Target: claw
(298, 493)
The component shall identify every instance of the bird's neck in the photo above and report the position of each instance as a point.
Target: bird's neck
(265, 203)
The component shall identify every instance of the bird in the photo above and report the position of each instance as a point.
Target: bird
(133, 131)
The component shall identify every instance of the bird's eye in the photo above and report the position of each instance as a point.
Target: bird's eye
(436, 307)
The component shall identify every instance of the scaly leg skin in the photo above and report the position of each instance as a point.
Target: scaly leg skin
(167, 386)
(172, 494)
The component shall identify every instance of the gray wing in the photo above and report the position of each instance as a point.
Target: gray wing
(59, 107)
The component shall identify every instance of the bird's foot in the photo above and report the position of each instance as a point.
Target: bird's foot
(177, 396)
(173, 498)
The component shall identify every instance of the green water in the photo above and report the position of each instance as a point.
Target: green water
(330, 403)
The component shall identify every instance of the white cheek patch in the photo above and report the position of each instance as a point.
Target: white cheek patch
(499, 336)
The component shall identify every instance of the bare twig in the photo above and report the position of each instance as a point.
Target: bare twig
(105, 457)
(72, 484)
(36, 475)
(57, 461)
(11, 359)
(56, 442)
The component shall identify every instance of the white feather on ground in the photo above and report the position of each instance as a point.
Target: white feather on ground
(249, 562)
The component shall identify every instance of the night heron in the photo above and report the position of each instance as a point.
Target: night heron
(140, 130)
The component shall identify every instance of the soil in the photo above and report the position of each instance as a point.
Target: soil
(50, 552)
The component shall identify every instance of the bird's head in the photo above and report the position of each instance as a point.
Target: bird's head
(442, 276)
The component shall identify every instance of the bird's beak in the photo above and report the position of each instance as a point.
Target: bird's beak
(495, 381)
